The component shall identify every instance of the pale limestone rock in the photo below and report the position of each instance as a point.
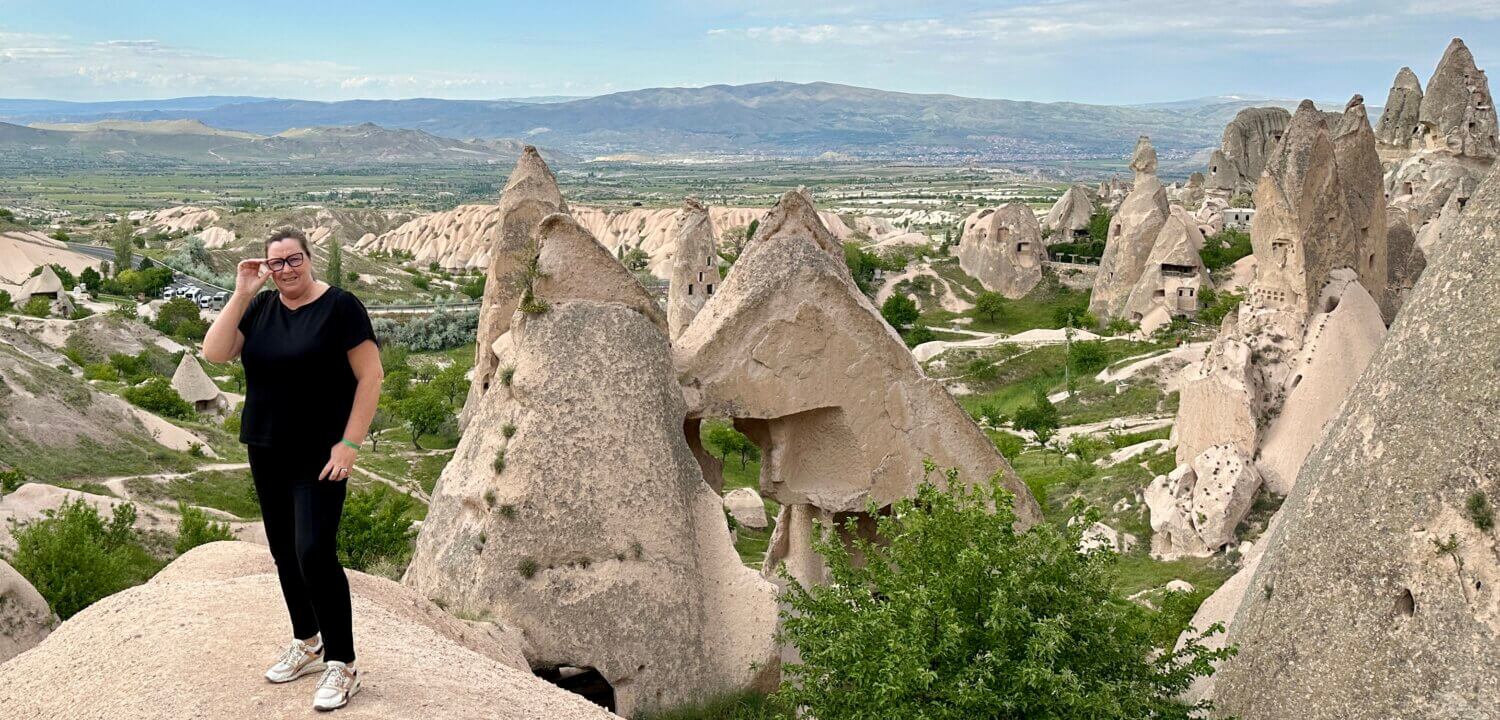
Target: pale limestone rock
(1069, 217)
(1338, 345)
(1179, 586)
(803, 362)
(1132, 234)
(1002, 249)
(1248, 142)
(123, 656)
(1174, 274)
(1363, 182)
(1218, 399)
(530, 194)
(1304, 227)
(1399, 122)
(1379, 595)
(1458, 113)
(695, 266)
(592, 526)
(747, 508)
(1195, 508)
(25, 618)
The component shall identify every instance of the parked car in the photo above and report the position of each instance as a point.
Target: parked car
(204, 301)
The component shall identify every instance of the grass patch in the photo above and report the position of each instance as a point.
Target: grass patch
(232, 491)
(738, 706)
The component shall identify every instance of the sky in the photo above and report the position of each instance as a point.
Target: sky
(1092, 51)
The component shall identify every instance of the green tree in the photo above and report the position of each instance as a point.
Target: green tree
(1088, 357)
(157, 395)
(636, 260)
(954, 614)
(900, 311)
(728, 440)
(74, 557)
(474, 288)
(1040, 417)
(90, 279)
(989, 305)
(196, 529)
(451, 383)
(384, 419)
(918, 334)
(1074, 310)
(6, 302)
(335, 263)
(180, 317)
(424, 411)
(375, 526)
(1099, 226)
(10, 480)
(121, 240)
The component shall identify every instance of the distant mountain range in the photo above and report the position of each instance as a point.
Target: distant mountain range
(777, 119)
(125, 141)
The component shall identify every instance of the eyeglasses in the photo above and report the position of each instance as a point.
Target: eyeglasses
(278, 264)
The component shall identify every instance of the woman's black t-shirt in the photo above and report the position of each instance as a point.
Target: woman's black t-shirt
(299, 387)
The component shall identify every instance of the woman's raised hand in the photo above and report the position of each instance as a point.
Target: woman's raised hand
(250, 276)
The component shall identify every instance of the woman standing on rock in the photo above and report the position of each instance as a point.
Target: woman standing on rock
(312, 377)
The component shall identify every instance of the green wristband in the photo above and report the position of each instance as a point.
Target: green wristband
(350, 444)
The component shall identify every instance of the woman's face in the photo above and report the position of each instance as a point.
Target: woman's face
(291, 281)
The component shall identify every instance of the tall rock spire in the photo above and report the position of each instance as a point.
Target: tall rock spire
(1458, 112)
(1399, 122)
(530, 194)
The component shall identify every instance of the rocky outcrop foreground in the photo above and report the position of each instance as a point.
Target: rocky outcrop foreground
(25, 618)
(1379, 595)
(193, 642)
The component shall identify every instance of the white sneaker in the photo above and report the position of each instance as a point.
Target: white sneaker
(339, 683)
(298, 660)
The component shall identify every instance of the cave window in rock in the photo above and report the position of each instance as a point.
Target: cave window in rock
(1280, 249)
(585, 681)
(710, 261)
(1023, 247)
(1178, 270)
(1161, 292)
(1407, 187)
(1406, 604)
(708, 289)
(690, 288)
(700, 277)
(1332, 304)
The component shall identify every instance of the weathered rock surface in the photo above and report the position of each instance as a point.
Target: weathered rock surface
(590, 528)
(1196, 507)
(1002, 249)
(747, 507)
(1363, 182)
(1304, 227)
(1069, 217)
(1248, 142)
(1379, 597)
(1132, 234)
(1400, 123)
(123, 657)
(1218, 399)
(695, 266)
(1336, 347)
(1405, 263)
(25, 618)
(1458, 112)
(530, 194)
(801, 359)
(1174, 274)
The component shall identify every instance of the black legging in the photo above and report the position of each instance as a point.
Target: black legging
(302, 514)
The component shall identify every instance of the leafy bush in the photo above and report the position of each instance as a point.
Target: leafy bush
(989, 305)
(38, 306)
(1088, 357)
(74, 557)
(424, 410)
(1217, 305)
(721, 439)
(1040, 417)
(179, 317)
(1225, 248)
(438, 331)
(918, 334)
(196, 529)
(7, 303)
(375, 527)
(158, 396)
(954, 614)
(100, 371)
(900, 311)
(11, 479)
(1074, 310)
